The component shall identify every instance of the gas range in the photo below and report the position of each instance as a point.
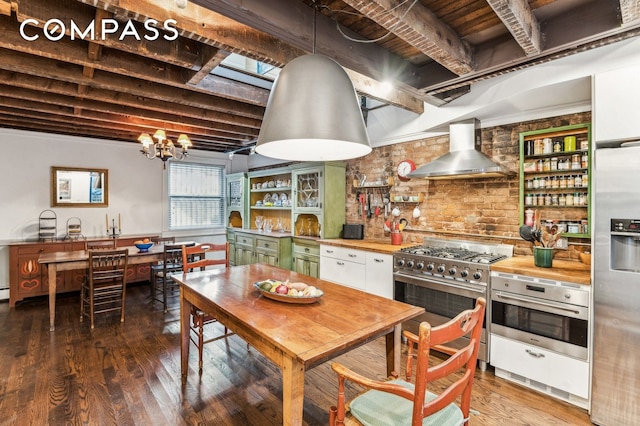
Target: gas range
(451, 259)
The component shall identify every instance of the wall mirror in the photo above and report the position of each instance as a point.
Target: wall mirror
(78, 187)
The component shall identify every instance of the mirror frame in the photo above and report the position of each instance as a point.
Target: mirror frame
(54, 187)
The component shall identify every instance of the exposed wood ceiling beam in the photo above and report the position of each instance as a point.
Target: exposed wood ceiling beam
(420, 28)
(217, 120)
(43, 67)
(107, 114)
(290, 22)
(213, 58)
(521, 23)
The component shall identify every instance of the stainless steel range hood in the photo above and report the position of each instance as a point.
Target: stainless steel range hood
(464, 159)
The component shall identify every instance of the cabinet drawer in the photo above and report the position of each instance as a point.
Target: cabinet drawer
(267, 243)
(349, 254)
(343, 272)
(543, 366)
(244, 239)
(304, 249)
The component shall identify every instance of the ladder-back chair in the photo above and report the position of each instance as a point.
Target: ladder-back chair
(105, 290)
(163, 286)
(400, 402)
(195, 258)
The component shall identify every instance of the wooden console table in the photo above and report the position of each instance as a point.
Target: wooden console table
(27, 278)
(79, 260)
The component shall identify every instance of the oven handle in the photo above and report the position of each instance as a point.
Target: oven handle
(537, 302)
(455, 285)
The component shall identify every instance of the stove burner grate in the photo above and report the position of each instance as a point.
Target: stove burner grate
(453, 253)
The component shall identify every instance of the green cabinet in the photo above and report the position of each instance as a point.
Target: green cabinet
(555, 178)
(306, 257)
(302, 203)
(257, 247)
(244, 244)
(319, 198)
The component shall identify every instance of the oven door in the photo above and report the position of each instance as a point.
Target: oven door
(442, 300)
(559, 327)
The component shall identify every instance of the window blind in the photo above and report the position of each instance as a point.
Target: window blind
(196, 195)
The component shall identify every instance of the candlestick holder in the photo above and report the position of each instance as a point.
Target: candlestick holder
(114, 230)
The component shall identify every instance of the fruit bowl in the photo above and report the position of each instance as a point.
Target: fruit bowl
(143, 247)
(286, 298)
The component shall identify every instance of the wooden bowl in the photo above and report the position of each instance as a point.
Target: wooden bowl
(585, 258)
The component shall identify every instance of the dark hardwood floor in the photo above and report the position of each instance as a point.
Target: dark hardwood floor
(129, 374)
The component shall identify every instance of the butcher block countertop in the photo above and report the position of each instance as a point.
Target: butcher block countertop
(379, 246)
(562, 270)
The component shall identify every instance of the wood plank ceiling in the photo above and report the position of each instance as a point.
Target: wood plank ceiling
(115, 87)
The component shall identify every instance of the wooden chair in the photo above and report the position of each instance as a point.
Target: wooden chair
(162, 285)
(105, 290)
(399, 402)
(157, 267)
(100, 244)
(193, 258)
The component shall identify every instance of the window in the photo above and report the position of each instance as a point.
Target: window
(196, 195)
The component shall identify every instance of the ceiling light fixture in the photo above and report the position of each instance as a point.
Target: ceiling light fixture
(313, 113)
(159, 146)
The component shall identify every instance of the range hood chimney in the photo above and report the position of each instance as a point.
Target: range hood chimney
(464, 159)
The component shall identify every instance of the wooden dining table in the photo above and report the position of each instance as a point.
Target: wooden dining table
(295, 337)
(79, 259)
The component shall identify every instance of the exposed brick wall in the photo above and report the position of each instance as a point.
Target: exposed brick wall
(470, 209)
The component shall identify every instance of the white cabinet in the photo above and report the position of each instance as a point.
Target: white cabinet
(615, 99)
(546, 371)
(379, 274)
(343, 266)
(364, 270)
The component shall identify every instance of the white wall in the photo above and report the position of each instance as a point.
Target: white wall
(136, 187)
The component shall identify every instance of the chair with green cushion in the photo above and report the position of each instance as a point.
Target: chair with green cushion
(400, 402)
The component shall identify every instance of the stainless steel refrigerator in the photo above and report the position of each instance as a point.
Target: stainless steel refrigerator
(615, 396)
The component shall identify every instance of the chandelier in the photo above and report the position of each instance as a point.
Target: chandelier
(159, 146)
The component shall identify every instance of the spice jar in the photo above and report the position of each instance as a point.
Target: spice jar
(570, 143)
(585, 160)
(557, 145)
(542, 182)
(538, 147)
(562, 182)
(546, 165)
(547, 147)
(577, 181)
(554, 163)
(547, 200)
(528, 199)
(554, 199)
(562, 200)
(576, 162)
(570, 181)
(555, 182)
(585, 180)
(569, 199)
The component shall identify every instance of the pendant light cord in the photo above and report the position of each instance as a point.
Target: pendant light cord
(358, 14)
(315, 23)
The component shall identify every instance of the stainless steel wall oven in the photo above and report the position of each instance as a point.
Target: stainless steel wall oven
(549, 314)
(446, 277)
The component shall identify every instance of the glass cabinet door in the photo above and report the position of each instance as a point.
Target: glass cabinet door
(235, 194)
(308, 191)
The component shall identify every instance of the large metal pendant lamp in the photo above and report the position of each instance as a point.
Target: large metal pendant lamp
(313, 113)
